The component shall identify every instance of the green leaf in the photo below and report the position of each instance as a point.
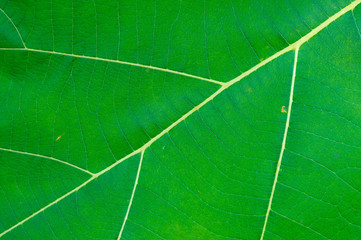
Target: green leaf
(180, 119)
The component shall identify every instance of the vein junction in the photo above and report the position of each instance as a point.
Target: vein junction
(283, 141)
(47, 157)
(295, 46)
(132, 197)
(114, 61)
(17, 30)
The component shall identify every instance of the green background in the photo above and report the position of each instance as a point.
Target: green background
(211, 175)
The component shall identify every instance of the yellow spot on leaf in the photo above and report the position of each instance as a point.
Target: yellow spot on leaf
(59, 137)
(283, 110)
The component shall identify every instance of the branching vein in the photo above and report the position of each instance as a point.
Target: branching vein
(47, 157)
(17, 30)
(114, 61)
(295, 46)
(283, 142)
(132, 197)
(47, 206)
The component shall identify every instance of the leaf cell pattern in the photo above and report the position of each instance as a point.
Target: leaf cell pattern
(180, 120)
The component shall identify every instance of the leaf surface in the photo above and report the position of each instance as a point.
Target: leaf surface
(180, 119)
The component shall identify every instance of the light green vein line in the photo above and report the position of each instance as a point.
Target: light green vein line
(17, 30)
(115, 61)
(294, 46)
(47, 157)
(132, 197)
(283, 142)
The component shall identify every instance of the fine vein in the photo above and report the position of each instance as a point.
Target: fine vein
(131, 198)
(46, 157)
(294, 46)
(114, 61)
(283, 142)
(21, 38)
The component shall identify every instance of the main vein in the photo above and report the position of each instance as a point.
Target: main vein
(283, 142)
(294, 46)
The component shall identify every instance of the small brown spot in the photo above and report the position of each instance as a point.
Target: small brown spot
(59, 137)
(147, 70)
(283, 110)
(249, 89)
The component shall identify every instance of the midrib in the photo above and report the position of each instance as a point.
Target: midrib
(295, 46)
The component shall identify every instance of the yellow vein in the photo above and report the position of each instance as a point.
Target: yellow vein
(283, 142)
(264, 62)
(298, 43)
(132, 197)
(94, 176)
(14, 26)
(294, 46)
(114, 61)
(47, 157)
(47, 206)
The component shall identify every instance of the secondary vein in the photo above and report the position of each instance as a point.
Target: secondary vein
(114, 61)
(16, 29)
(47, 157)
(132, 196)
(283, 142)
(294, 46)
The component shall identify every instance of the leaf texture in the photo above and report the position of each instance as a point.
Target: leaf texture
(180, 119)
